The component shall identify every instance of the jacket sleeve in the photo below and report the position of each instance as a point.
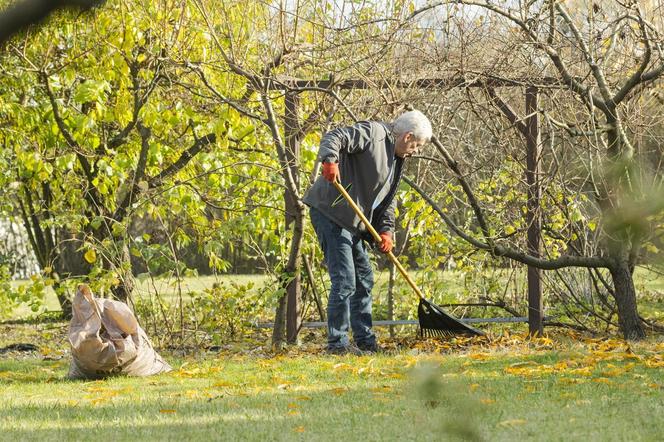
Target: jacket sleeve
(348, 140)
(387, 220)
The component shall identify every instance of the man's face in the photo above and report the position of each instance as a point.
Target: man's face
(407, 145)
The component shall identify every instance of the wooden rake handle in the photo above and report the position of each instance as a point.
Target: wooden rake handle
(378, 239)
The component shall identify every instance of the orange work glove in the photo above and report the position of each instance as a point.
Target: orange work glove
(387, 244)
(330, 171)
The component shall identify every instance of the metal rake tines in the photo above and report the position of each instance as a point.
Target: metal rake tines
(435, 333)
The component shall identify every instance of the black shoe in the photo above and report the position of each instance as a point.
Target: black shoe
(345, 350)
(370, 348)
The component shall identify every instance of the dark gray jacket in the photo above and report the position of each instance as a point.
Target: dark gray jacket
(365, 152)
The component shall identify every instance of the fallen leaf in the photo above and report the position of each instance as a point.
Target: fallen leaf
(512, 422)
(167, 410)
(582, 371)
(603, 381)
(571, 380)
(192, 393)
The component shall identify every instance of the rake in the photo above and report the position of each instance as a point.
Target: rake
(434, 321)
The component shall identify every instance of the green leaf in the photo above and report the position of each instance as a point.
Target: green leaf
(91, 90)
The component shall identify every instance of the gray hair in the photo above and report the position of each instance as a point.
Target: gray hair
(413, 121)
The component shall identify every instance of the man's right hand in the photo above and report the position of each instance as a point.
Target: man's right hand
(331, 171)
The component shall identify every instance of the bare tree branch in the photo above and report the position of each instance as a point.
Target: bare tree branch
(499, 250)
(184, 159)
(508, 111)
(454, 167)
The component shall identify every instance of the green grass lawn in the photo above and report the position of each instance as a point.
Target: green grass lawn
(502, 388)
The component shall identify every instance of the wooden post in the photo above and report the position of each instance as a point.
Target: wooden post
(390, 297)
(294, 290)
(533, 217)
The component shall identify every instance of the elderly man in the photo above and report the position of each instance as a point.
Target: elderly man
(367, 158)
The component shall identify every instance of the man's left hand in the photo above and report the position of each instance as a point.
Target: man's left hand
(387, 244)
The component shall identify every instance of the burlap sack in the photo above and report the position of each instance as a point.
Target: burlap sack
(106, 340)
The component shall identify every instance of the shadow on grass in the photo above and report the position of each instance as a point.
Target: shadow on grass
(334, 414)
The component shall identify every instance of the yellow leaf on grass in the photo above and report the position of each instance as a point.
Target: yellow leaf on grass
(487, 401)
(99, 400)
(293, 413)
(303, 398)
(571, 380)
(299, 429)
(523, 364)
(512, 422)
(603, 381)
(655, 362)
(167, 410)
(474, 387)
(339, 390)
(562, 365)
(292, 405)
(222, 384)
(479, 356)
(96, 389)
(582, 371)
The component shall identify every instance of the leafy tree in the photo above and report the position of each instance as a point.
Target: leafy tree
(98, 130)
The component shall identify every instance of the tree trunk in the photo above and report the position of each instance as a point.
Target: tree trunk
(122, 292)
(279, 330)
(294, 288)
(290, 302)
(625, 295)
(294, 217)
(68, 263)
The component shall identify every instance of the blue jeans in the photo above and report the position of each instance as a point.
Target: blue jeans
(351, 277)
